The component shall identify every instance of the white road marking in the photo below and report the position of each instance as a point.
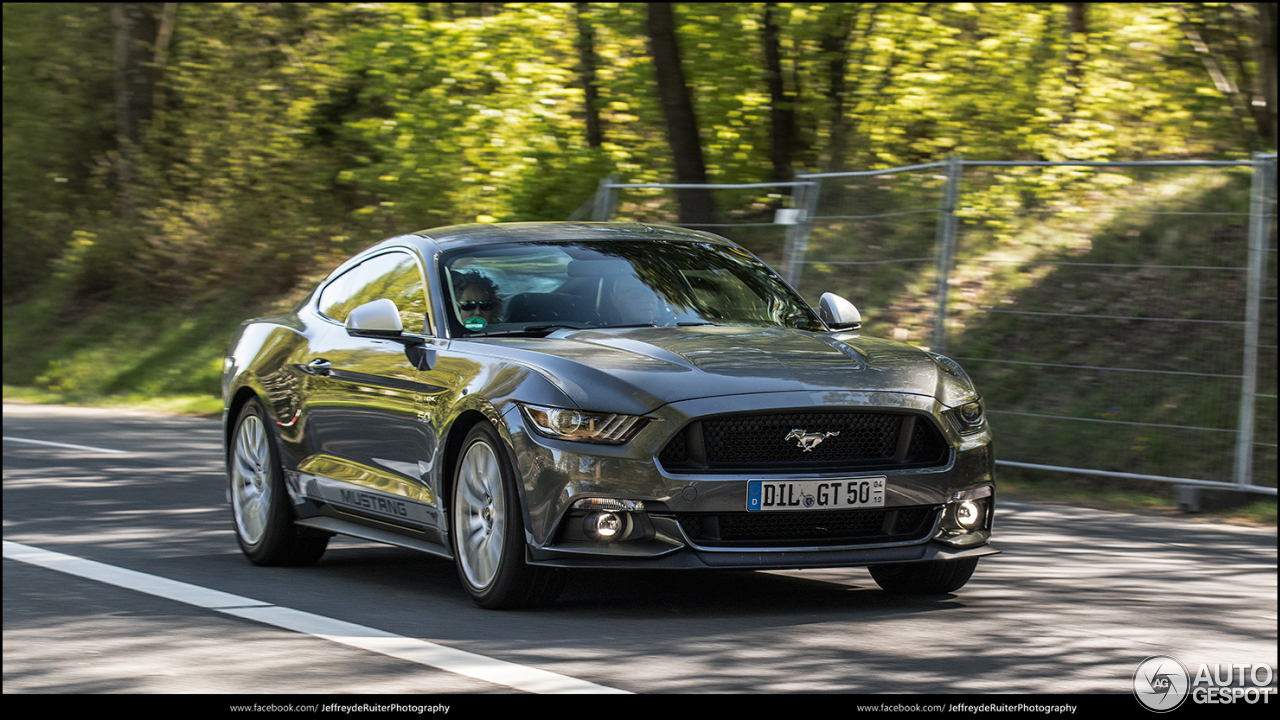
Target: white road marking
(90, 448)
(499, 672)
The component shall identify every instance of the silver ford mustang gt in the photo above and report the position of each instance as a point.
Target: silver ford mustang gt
(531, 398)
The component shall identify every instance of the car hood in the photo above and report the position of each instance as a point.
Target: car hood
(639, 370)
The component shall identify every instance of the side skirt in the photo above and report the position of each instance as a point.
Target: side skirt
(346, 527)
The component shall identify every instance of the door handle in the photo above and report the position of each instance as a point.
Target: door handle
(319, 366)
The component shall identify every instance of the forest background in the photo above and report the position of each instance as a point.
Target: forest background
(170, 169)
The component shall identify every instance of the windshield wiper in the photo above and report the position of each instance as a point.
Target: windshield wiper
(636, 325)
(651, 324)
(539, 330)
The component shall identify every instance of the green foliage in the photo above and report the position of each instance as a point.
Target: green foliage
(100, 350)
(58, 123)
(458, 120)
(285, 136)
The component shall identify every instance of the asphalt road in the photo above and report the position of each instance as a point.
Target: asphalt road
(1076, 601)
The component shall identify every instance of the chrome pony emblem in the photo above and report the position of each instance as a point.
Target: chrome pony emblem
(808, 440)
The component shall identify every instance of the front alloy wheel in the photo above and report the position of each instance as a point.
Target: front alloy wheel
(488, 529)
(480, 517)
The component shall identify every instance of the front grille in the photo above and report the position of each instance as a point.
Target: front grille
(831, 527)
(846, 440)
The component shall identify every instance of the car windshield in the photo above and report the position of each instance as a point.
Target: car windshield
(531, 288)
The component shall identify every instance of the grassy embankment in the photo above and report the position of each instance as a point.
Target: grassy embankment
(112, 354)
(1091, 253)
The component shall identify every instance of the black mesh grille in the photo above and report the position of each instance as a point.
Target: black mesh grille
(677, 451)
(926, 443)
(838, 527)
(805, 441)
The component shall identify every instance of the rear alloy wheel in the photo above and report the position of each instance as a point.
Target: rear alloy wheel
(488, 529)
(936, 577)
(259, 501)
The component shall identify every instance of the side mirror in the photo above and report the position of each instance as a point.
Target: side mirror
(377, 319)
(838, 313)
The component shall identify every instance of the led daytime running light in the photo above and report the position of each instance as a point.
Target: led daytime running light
(609, 505)
(563, 424)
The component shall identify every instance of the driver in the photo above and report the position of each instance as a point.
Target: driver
(477, 297)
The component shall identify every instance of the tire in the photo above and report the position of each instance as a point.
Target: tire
(260, 507)
(937, 577)
(487, 529)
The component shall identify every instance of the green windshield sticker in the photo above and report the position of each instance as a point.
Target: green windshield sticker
(474, 323)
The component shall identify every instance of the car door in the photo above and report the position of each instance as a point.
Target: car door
(369, 451)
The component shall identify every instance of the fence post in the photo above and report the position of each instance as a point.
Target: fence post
(611, 198)
(789, 241)
(797, 246)
(946, 243)
(606, 200)
(1259, 235)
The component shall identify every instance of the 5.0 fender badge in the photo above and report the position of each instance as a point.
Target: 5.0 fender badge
(808, 440)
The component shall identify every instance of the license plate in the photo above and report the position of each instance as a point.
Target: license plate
(765, 495)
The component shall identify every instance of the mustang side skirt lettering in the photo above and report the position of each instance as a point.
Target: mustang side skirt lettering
(346, 496)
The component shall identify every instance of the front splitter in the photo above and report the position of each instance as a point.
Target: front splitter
(690, 559)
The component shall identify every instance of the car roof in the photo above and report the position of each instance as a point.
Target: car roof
(489, 233)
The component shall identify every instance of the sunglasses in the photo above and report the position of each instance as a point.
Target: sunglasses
(473, 304)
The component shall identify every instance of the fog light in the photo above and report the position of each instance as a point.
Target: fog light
(610, 520)
(968, 514)
(608, 525)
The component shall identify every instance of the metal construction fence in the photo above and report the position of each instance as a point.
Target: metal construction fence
(1120, 318)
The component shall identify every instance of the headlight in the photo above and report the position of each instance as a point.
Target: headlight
(578, 426)
(969, 418)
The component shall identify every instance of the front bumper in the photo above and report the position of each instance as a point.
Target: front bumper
(556, 475)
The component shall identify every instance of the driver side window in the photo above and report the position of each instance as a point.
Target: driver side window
(393, 275)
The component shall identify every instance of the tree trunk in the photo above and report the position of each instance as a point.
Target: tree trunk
(587, 56)
(1076, 31)
(834, 48)
(782, 115)
(696, 206)
(168, 17)
(1266, 40)
(135, 31)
